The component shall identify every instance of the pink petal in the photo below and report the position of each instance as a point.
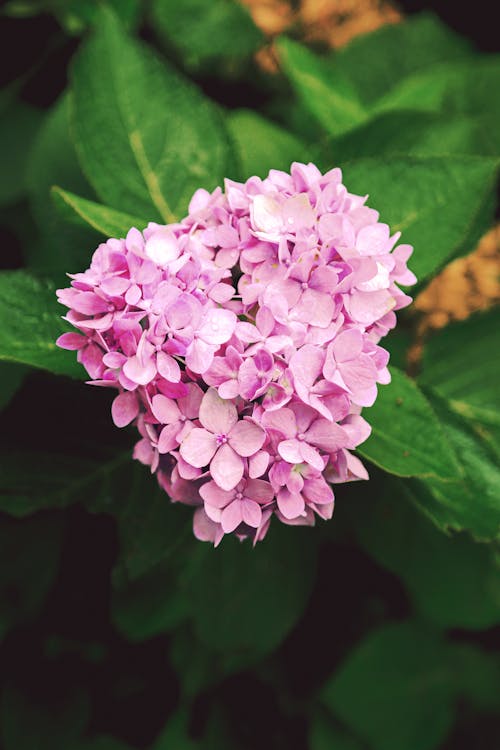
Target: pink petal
(306, 364)
(168, 367)
(290, 450)
(317, 491)
(258, 464)
(190, 403)
(246, 437)
(232, 516)
(311, 456)
(282, 420)
(199, 447)
(138, 371)
(167, 441)
(205, 529)
(218, 326)
(217, 414)
(348, 345)
(290, 505)
(251, 512)
(165, 409)
(124, 409)
(226, 467)
(199, 356)
(72, 341)
(214, 495)
(258, 490)
(326, 435)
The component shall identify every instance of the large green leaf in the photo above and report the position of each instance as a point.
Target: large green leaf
(472, 502)
(262, 145)
(204, 32)
(435, 202)
(19, 124)
(430, 563)
(53, 481)
(11, 377)
(28, 724)
(29, 557)
(407, 439)
(376, 62)
(395, 689)
(415, 133)
(103, 219)
(462, 363)
(325, 91)
(60, 247)
(32, 324)
(146, 137)
(247, 600)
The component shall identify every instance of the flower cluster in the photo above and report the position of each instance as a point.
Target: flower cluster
(244, 344)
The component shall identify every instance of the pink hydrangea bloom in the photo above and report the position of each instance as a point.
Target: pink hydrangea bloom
(243, 342)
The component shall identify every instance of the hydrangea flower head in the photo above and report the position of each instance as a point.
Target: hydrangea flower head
(243, 342)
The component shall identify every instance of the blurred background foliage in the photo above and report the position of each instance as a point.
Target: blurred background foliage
(377, 631)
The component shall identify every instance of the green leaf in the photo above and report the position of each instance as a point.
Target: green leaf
(11, 377)
(476, 676)
(27, 725)
(395, 689)
(103, 219)
(102, 742)
(251, 617)
(374, 63)
(151, 528)
(407, 439)
(324, 735)
(435, 202)
(461, 363)
(60, 247)
(430, 563)
(175, 734)
(323, 90)
(153, 603)
(53, 481)
(415, 133)
(19, 124)
(29, 557)
(146, 137)
(262, 145)
(472, 502)
(204, 32)
(77, 15)
(33, 322)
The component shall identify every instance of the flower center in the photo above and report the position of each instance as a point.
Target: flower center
(221, 439)
(301, 436)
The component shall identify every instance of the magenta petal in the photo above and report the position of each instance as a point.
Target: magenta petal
(217, 414)
(124, 409)
(317, 491)
(71, 341)
(251, 512)
(246, 437)
(231, 516)
(199, 447)
(311, 456)
(226, 467)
